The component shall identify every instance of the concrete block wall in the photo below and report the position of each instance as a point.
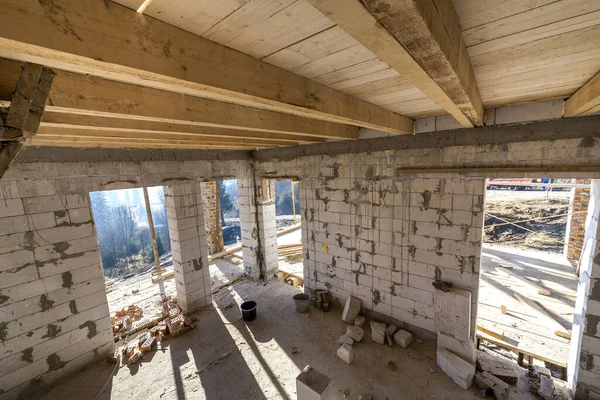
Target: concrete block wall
(258, 228)
(188, 244)
(53, 308)
(212, 216)
(584, 357)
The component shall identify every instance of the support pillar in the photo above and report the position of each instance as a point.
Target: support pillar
(259, 233)
(188, 244)
(584, 356)
(212, 216)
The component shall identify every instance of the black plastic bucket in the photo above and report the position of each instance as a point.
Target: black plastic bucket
(248, 310)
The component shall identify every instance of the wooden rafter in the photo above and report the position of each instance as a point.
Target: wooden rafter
(422, 41)
(22, 119)
(108, 40)
(586, 100)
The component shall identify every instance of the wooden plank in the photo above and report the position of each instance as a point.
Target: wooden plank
(559, 330)
(586, 100)
(138, 144)
(69, 132)
(145, 51)
(58, 121)
(364, 27)
(519, 348)
(528, 284)
(497, 335)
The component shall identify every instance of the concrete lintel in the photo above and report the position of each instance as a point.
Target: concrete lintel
(586, 128)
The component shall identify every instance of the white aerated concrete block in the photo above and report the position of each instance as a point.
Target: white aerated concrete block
(355, 333)
(453, 312)
(360, 321)
(403, 338)
(351, 310)
(389, 334)
(312, 385)
(461, 372)
(345, 353)
(345, 339)
(378, 332)
(465, 349)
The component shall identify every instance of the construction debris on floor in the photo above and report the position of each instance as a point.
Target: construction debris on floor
(149, 332)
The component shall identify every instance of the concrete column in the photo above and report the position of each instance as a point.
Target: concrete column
(257, 220)
(54, 315)
(578, 206)
(584, 357)
(212, 216)
(188, 244)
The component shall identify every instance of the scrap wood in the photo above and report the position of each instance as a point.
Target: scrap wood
(162, 276)
(559, 330)
(231, 282)
(497, 335)
(215, 361)
(530, 285)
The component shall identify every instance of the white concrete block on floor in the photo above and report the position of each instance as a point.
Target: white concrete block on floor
(403, 338)
(351, 310)
(345, 353)
(465, 349)
(312, 384)
(355, 333)
(461, 372)
(378, 332)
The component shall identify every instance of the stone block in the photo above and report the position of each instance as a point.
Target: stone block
(463, 349)
(453, 312)
(312, 384)
(378, 332)
(351, 310)
(345, 339)
(403, 338)
(460, 371)
(389, 334)
(345, 353)
(360, 321)
(355, 333)
(546, 391)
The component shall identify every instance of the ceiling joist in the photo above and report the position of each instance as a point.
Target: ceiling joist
(422, 41)
(586, 100)
(106, 40)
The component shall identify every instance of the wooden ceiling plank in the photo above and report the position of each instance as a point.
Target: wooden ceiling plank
(67, 131)
(586, 100)
(77, 142)
(53, 120)
(107, 40)
(449, 80)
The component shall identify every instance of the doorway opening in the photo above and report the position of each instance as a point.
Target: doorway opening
(289, 236)
(533, 234)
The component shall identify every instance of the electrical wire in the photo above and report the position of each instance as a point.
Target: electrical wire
(106, 383)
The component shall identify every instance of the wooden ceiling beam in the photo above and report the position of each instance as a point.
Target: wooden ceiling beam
(107, 40)
(422, 41)
(586, 100)
(53, 122)
(74, 132)
(128, 143)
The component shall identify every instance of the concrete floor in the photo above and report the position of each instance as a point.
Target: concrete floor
(258, 363)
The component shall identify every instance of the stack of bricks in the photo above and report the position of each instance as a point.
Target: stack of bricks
(212, 216)
(54, 315)
(188, 244)
(578, 207)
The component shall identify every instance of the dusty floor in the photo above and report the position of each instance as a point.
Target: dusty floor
(258, 363)
(521, 325)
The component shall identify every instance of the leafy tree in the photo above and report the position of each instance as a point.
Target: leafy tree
(225, 201)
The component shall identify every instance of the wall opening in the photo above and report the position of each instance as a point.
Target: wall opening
(528, 280)
(289, 236)
(127, 251)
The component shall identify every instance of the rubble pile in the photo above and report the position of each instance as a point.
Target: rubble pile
(150, 331)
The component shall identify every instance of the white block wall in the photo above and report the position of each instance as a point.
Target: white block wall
(188, 244)
(383, 240)
(53, 308)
